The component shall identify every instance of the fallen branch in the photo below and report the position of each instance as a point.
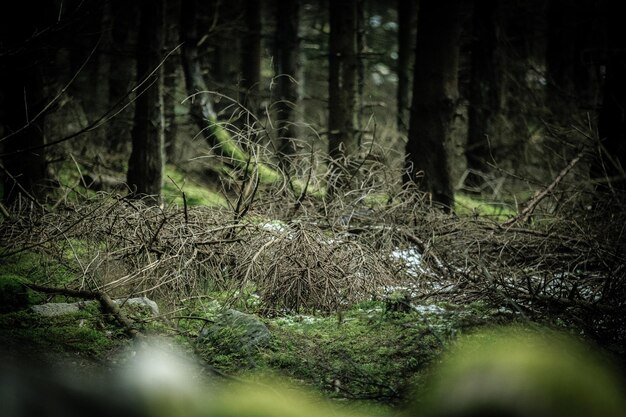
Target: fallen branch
(105, 301)
(532, 204)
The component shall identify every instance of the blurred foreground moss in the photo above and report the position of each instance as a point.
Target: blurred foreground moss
(522, 372)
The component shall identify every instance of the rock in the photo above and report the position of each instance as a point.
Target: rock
(234, 331)
(59, 309)
(141, 302)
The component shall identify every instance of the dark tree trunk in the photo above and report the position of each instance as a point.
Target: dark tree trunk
(406, 38)
(572, 80)
(361, 47)
(171, 69)
(122, 80)
(146, 163)
(251, 55)
(201, 105)
(287, 20)
(101, 100)
(23, 57)
(342, 87)
(435, 91)
(226, 45)
(610, 167)
(484, 90)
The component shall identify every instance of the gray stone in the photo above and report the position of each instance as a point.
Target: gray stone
(142, 302)
(59, 309)
(237, 331)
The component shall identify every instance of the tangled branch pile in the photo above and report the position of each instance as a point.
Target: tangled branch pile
(126, 248)
(571, 268)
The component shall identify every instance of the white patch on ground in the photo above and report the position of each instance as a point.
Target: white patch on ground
(429, 309)
(275, 226)
(297, 319)
(412, 259)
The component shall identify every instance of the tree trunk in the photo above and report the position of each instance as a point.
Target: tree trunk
(122, 80)
(251, 56)
(572, 82)
(146, 163)
(23, 57)
(201, 106)
(406, 38)
(435, 91)
(171, 68)
(101, 99)
(225, 43)
(287, 21)
(610, 167)
(361, 48)
(342, 88)
(484, 90)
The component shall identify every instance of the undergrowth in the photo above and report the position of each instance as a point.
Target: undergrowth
(361, 288)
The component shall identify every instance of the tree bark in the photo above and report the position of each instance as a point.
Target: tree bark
(406, 38)
(23, 58)
(171, 69)
(572, 82)
(435, 92)
(484, 90)
(251, 56)
(101, 100)
(122, 80)
(287, 48)
(201, 105)
(361, 48)
(610, 166)
(342, 88)
(146, 163)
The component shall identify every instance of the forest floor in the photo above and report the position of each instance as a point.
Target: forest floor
(356, 299)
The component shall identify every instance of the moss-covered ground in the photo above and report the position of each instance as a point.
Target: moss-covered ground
(369, 352)
(374, 352)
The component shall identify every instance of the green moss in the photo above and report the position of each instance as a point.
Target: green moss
(37, 268)
(229, 148)
(365, 352)
(470, 206)
(312, 191)
(68, 175)
(84, 331)
(521, 371)
(196, 195)
(81, 339)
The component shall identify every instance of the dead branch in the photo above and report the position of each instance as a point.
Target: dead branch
(108, 306)
(532, 204)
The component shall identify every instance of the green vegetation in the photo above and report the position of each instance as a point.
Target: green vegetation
(523, 371)
(365, 353)
(373, 351)
(84, 332)
(176, 183)
(229, 148)
(465, 205)
(70, 176)
(37, 268)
